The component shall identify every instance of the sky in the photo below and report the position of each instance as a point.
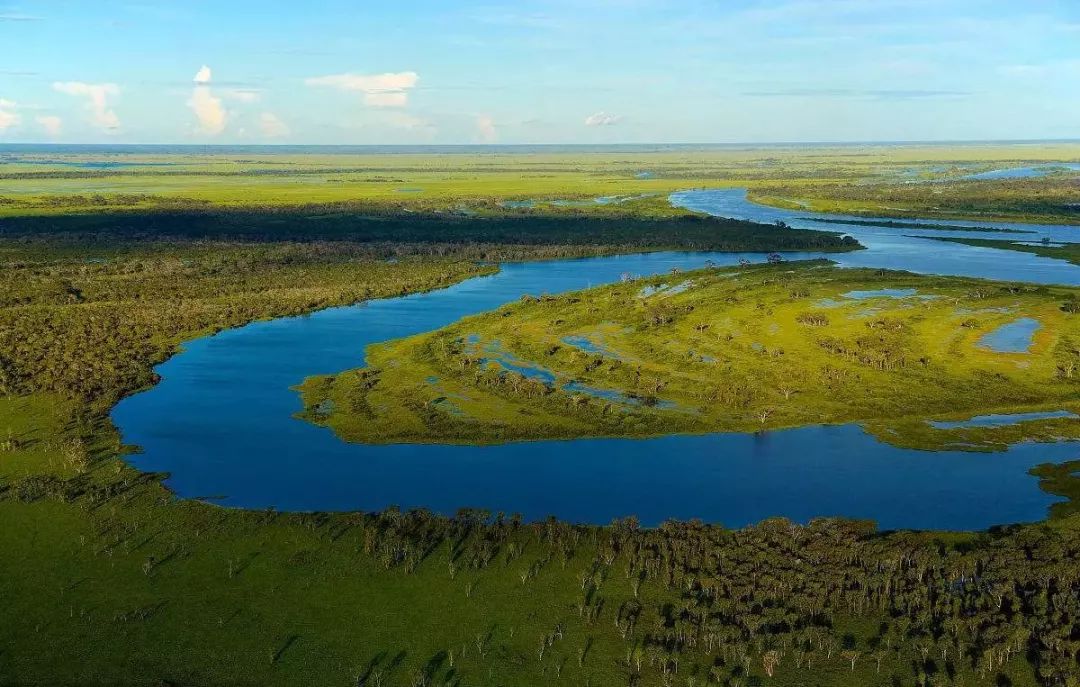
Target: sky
(537, 71)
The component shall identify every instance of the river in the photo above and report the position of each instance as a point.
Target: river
(220, 421)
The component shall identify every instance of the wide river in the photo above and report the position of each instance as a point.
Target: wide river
(220, 421)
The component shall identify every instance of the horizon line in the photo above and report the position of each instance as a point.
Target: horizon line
(870, 142)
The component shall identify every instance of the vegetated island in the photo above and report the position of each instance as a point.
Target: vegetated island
(736, 349)
(925, 226)
(1046, 249)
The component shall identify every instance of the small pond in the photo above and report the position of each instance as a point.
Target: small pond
(1014, 337)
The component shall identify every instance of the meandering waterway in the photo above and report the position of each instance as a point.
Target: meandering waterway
(220, 421)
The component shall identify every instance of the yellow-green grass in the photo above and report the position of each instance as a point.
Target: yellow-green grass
(724, 350)
(820, 178)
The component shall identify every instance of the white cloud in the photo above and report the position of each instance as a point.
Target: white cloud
(97, 96)
(386, 99)
(207, 107)
(380, 90)
(486, 130)
(208, 110)
(242, 95)
(602, 119)
(271, 125)
(403, 120)
(50, 124)
(8, 116)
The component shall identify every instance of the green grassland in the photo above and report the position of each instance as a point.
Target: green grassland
(896, 180)
(1051, 200)
(737, 349)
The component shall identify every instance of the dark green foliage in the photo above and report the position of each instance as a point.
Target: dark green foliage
(381, 222)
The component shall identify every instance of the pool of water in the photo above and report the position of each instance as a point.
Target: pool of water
(998, 420)
(220, 420)
(880, 293)
(1025, 172)
(586, 344)
(1014, 337)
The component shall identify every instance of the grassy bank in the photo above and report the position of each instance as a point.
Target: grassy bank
(1068, 251)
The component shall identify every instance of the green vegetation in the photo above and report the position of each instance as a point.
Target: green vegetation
(634, 227)
(89, 322)
(106, 578)
(1054, 199)
(895, 180)
(740, 349)
(89, 304)
(922, 226)
(1062, 480)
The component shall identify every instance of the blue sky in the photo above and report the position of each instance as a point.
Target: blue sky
(552, 71)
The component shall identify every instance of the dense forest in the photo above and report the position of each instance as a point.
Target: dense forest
(614, 228)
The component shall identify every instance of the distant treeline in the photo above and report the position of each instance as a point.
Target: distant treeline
(380, 223)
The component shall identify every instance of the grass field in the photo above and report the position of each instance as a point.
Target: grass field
(899, 180)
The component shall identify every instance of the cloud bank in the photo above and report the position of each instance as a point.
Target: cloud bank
(380, 90)
(271, 126)
(486, 130)
(208, 108)
(50, 124)
(602, 119)
(97, 101)
(8, 116)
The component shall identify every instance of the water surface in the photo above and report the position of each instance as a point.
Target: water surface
(1033, 172)
(1014, 337)
(1003, 420)
(220, 420)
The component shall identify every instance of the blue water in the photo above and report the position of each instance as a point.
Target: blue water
(220, 420)
(87, 164)
(880, 293)
(508, 361)
(995, 420)
(1032, 172)
(589, 346)
(1014, 337)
